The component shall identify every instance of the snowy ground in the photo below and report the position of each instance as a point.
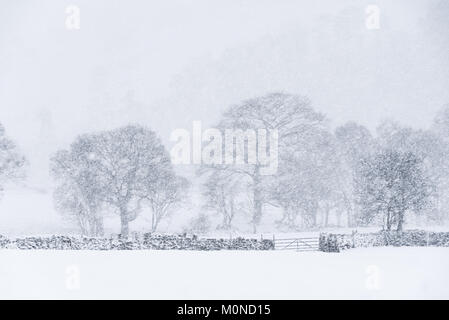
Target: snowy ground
(373, 273)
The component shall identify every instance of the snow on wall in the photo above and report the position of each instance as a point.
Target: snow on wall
(416, 238)
(138, 242)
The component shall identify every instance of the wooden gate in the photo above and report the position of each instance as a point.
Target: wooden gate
(298, 244)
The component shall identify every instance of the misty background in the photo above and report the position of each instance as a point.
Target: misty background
(165, 64)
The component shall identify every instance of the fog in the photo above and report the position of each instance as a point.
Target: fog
(166, 63)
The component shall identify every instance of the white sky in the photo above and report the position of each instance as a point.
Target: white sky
(166, 63)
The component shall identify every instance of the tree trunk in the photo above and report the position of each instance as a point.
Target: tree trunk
(124, 223)
(326, 217)
(257, 213)
(153, 221)
(156, 220)
(388, 220)
(231, 216)
(339, 213)
(349, 219)
(99, 226)
(349, 210)
(400, 221)
(313, 209)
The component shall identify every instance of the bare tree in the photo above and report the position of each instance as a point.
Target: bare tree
(164, 195)
(354, 143)
(200, 224)
(438, 148)
(120, 166)
(78, 193)
(390, 184)
(12, 162)
(222, 196)
(307, 181)
(290, 115)
(73, 206)
(432, 148)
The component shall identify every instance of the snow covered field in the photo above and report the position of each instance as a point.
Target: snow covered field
(373, 273)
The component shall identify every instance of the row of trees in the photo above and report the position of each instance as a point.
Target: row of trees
(341, 177)
(344, 177)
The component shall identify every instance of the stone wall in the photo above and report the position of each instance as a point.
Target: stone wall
(418, 238)
(137, 242)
